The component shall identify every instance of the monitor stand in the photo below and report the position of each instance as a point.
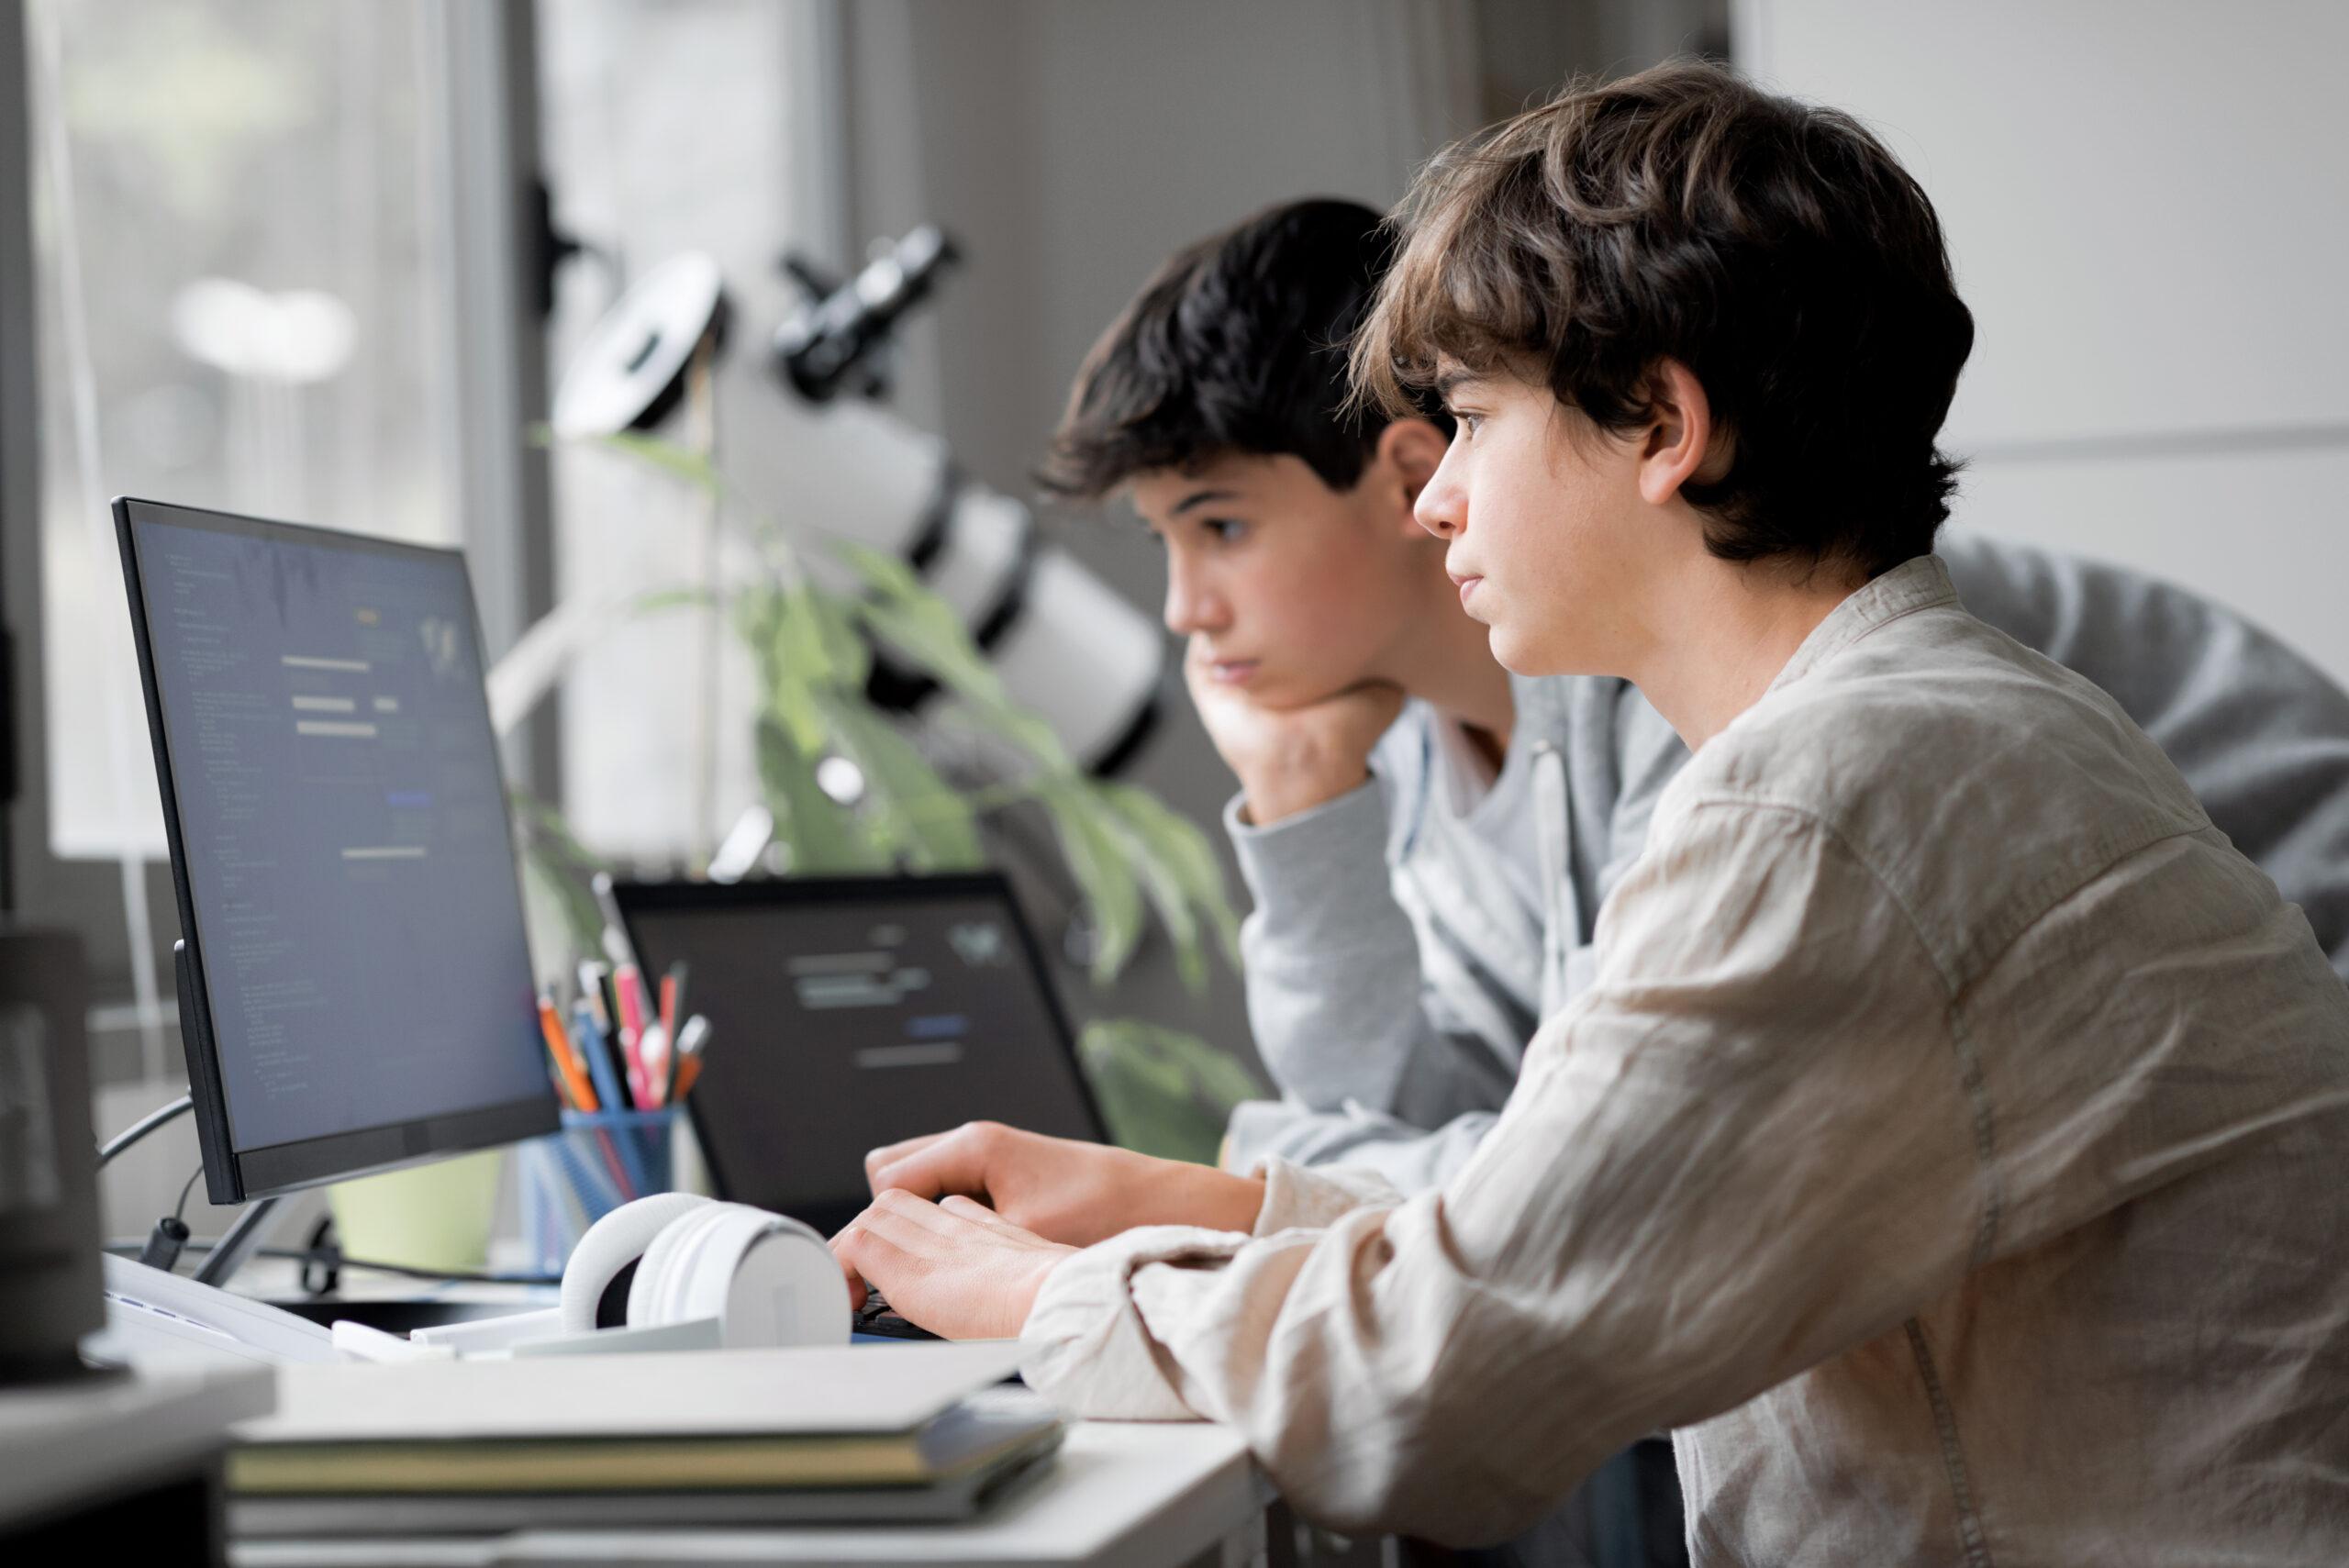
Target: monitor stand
(229, 1253)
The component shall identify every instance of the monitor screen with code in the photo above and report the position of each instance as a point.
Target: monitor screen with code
(341, 832)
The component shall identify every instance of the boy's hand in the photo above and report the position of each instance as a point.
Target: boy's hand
(1062, 1190)
(1291, 759)
(955, 1268)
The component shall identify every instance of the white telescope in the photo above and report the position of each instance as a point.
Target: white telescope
(1067, 646)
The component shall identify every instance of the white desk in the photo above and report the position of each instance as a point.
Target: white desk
(67, 1444)
(1132, 1495)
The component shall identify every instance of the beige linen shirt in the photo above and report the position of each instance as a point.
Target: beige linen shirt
(1951, 1149)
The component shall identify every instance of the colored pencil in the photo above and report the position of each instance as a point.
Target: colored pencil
(576, 1087)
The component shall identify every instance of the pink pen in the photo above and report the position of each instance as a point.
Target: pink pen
(629, 987)
(657, 1051)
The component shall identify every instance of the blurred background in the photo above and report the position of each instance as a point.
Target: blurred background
(330, 260)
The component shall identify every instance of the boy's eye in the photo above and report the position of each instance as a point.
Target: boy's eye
(1223, 531)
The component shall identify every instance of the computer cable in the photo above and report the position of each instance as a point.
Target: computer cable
(328, 1260)
(169, 1237)
(137, 1129)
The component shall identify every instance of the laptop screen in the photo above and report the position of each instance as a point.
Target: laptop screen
(847, 1014)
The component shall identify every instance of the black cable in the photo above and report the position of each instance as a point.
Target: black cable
(143, 1126)
(325, 1259)
(169, 1239)
(333, 1254)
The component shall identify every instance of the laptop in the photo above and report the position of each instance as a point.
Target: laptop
(850, 1012)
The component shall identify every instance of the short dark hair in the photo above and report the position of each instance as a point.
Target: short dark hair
(1238, 344)
(1773, 248)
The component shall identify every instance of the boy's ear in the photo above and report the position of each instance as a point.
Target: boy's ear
(1414, 448)
(1682, 443)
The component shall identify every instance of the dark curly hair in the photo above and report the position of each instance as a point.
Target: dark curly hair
(1237, 344)
(1773, 248)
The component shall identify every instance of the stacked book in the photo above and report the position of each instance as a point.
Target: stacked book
(866, 1433)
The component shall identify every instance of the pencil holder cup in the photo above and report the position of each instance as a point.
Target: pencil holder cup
(599, 1161)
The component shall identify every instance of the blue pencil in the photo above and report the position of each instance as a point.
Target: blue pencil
(599, 1059)
(608, 1090)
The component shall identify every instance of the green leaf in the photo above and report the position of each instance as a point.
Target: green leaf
(667, 456)
(845, 650)
(662, 599)
(906, 806)
(1175, 842)
(1096, 859)
(824, 840)
(794, 650)
(926, 632)
(792, 702)
(1165, 889)
(1162, 1091)
(800, 644)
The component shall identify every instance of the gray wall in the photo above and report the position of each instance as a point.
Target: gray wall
(2147, 204)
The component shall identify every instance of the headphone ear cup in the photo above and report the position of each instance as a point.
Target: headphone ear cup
(611, 1244)
(698, 1283)
(652, 1296)
(768, 1279)
(786, 1289)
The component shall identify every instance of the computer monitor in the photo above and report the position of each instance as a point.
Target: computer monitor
(354, 984)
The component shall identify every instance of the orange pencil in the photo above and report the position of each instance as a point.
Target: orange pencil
(691, 1039)
(582, 1093)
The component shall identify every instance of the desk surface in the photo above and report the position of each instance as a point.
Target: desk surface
(65, 1443)
(1134, 1495)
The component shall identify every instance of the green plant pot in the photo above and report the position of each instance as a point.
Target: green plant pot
(433, 1217)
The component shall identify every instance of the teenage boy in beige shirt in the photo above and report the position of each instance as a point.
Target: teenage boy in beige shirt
(1948, 1140)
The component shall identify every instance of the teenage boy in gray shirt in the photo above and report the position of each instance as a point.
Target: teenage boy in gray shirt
(1428, 838)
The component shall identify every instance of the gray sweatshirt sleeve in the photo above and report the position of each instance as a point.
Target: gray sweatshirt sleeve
(1410, 1158)
(2260, 735)
(1338, 1011)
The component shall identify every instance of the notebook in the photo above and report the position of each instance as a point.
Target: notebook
(958, 1463)
(832, 1390)
(832, 1434)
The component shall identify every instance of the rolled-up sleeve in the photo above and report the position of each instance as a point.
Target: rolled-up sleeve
(1748, 1147)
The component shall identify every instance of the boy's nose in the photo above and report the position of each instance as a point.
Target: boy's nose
(1191, 606)
(1441, 508)
(1442, 505)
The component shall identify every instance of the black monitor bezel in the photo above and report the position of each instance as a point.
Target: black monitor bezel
(794, 892)
(233, 1175)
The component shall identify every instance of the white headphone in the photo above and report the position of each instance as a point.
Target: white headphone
(767, 1279)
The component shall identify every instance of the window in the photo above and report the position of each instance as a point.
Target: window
(243, 275)
(668, 129)
(278, 266)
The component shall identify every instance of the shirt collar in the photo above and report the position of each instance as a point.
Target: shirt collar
(1917, 584)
